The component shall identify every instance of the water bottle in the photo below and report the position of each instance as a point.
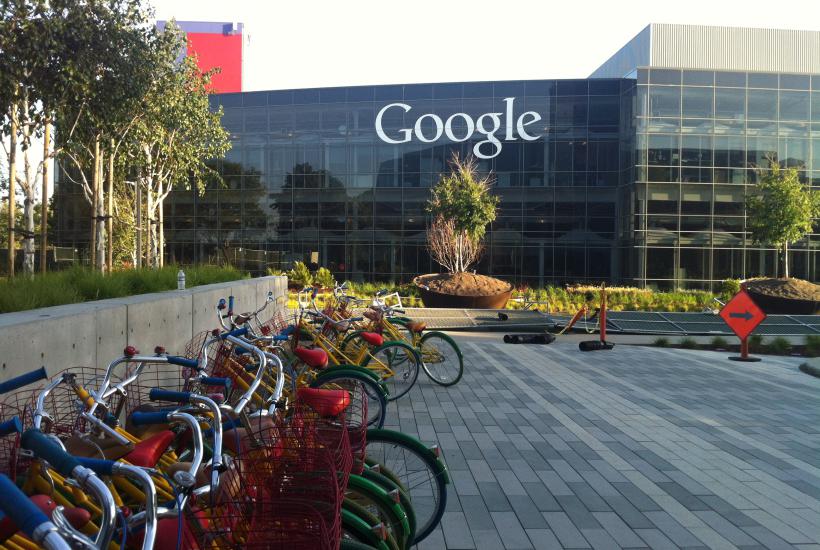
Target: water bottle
(181, 280)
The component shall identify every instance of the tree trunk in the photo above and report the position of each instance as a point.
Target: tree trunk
(100, 252)
(95, 183)
(786, 260)
(28, 239)
(110, 210)
(138, 217)
(12, 184)
(44, 201)
(161, 234)
(149, 248)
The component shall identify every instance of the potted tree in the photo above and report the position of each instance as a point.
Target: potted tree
(780, 213)
(461, 206)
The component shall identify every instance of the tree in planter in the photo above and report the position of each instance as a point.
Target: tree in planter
(300, 275)
(462, 206)
(781, 211)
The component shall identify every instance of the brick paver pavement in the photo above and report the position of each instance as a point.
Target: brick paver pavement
(636, 447)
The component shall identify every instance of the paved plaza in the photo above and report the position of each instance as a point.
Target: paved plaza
(636, 447)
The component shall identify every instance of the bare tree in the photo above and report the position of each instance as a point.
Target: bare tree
(455, 250)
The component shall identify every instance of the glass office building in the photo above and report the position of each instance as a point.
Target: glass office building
(636, 175)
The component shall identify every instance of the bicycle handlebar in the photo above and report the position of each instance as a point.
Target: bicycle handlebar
(183, 361)
(42, 447)
(12, 426)
(99, 466)
(23, 380)
(158, 394)
(28, 517)
(142, 418)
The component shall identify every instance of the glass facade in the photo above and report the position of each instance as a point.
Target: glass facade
(640, 180)
(309, 178)
(700, 137)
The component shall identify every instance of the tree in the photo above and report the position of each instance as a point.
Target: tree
(174, 141)
(782, 209)
(462, 206)
(124, 53)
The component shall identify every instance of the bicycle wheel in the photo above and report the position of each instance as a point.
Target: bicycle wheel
(441, 359)
(357, 529)
(420, 471)
(390, 486)
(378, 502)
(361, 387)
(402, 360)
(350, 544)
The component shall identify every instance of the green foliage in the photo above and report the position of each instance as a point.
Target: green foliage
(755, 343)
(730, 287)
(719, 342)
(81, 284)
(781, 210)
(300, 275)
(272, 271)
(813, 345)
(779, 346)
(464, 197)
(324, 278)
(688, 343)
(661, 342)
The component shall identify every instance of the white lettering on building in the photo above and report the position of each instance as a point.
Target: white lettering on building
(486, 125)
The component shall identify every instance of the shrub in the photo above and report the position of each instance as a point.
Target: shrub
(730, 286)
(813, 345)
(324, 278)
(661, 342)
(688, 343)
(755, 343)
(780, 346)
(719, 342)
(300, 275)
(80, 284)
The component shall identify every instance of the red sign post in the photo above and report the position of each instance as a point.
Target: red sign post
(742, 315)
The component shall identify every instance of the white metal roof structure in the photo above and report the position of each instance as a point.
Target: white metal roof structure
(716, 48)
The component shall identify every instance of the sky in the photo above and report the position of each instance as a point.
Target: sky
(304, 43)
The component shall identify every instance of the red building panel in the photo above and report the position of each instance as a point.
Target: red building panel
(223, 51)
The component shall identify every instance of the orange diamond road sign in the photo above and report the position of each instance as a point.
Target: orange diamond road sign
(742, 314)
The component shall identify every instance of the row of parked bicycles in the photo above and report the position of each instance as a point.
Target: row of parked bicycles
(263, 434)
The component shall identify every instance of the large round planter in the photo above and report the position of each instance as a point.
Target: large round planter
(437, 299)
(779, 305)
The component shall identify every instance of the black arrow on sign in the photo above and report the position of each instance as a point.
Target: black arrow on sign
(746, 315)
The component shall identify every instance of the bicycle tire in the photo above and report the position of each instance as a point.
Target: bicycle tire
(377, 401)
(370, 519)
(386, 472)
(359, 529)
(350, 544)
(422, 472)
(349, 337)
(390, 512)
(398, 384)
(448, 355)
(404, 499)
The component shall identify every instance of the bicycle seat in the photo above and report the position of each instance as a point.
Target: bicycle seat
(416, 326)
(315, 358)
(147, 452)
(324, 402)
(372, 338)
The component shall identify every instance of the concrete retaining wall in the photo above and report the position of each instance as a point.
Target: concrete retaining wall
(95, 333)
